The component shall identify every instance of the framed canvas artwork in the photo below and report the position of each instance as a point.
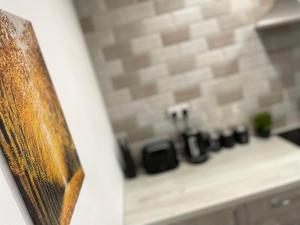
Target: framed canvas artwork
(34, 136)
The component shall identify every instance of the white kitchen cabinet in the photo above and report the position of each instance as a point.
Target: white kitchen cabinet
(282, 208)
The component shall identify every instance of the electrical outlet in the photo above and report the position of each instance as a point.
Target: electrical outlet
(177, 110)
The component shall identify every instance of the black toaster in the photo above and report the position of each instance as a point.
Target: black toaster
(159, 156)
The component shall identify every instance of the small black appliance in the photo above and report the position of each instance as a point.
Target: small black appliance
(159, 157)
(228, 139)
(241, 135)
(195, 146)
(129, 167)
(215, 144)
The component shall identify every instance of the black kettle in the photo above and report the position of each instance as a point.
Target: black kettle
(195, 146)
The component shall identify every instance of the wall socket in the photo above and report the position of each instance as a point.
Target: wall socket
(178, 110)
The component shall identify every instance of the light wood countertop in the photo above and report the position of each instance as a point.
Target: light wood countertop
(229, 177)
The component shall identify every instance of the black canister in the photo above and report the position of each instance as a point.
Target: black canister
(241, 135)
(228, 139)
(215, 144)
(205, 139)
(195, 145)
(128, 164)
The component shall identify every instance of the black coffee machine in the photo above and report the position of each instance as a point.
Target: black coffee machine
(195, 146)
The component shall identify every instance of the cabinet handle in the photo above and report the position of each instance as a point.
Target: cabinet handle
(278, 204)
(286, 202)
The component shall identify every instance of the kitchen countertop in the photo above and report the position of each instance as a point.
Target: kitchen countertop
(229, 177)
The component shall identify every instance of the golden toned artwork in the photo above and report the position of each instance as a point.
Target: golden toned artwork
(34, 137)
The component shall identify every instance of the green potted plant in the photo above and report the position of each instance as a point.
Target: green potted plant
(263, 124)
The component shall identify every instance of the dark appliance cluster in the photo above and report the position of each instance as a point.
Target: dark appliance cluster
(192, 145)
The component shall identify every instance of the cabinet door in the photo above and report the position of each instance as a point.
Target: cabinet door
(225, 217)
(279, 209)
(270, 221)
(289, 216)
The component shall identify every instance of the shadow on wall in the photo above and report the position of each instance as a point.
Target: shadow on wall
(14, 190)
(282, 45)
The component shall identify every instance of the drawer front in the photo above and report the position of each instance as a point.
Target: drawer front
(226, 217)
(290, 218)
(279, 209)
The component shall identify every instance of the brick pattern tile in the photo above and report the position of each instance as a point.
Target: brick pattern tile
(187, 94)
(225, 69)
(230, 96)
(181, 65)
(220, 40)
(163, 6)
(117, 51)
(152, 54)
(175, 37)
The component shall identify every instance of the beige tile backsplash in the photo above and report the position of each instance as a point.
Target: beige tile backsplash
(152, 54)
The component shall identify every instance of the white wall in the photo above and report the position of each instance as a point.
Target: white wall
(62, 44)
